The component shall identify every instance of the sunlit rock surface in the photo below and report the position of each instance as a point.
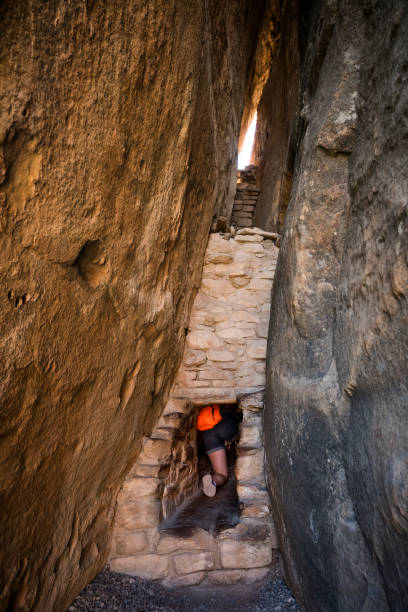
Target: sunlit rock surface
(118, 132)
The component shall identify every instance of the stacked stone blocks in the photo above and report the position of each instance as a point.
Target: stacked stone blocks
(246, 198)
(241, 554)
(224, 360)
(226, 341)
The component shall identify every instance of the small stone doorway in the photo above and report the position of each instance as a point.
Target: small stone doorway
(198, 511)
(224, 361)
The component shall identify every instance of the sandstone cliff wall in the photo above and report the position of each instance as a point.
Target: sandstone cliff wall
(118, 131)
(336, 416)
(275, 138)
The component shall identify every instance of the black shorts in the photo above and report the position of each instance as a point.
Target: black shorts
(226, 429)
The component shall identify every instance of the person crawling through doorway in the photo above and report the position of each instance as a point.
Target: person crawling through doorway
(219, 427)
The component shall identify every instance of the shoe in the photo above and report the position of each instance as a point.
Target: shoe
(209, 488)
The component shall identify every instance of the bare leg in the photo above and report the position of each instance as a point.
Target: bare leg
(219, 465)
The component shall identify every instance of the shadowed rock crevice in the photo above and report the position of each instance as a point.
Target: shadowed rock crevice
(92, 263)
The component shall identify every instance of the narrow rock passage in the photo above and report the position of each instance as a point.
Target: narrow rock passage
(121, 593)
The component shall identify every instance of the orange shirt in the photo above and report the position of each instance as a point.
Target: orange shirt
(208, 417)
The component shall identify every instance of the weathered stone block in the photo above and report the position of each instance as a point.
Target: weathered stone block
(200, 383)
(268, 274)
(176, 405)
(157, 449)
(244, 238)
(252, 402)
(202, 339)
(229, 382)
(256, 348)
(185, 377)
(137, 514)
(218, 244)
(240, 281)
(222, 258)
(254, 248)
(184, 580)
(225, 576)
(130, 543)
(146, 566)
(255, 511)
(252, 493)
(247, 380)
(140, 487)
(211, 374)
(250, 437)
(232, 333)
(246, 325)
(251, 529)
(244, 576)
(138, 469)
(187, 563)
(252, 417)
(243, 554)
(261, 284)
(255, 575)
(201, 540)
(194, 358)
(221, 355)
(243, 315)
(216, 287)
(170, 420)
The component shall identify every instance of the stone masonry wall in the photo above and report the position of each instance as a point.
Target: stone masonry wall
(224, 360)
(244, 553)
(246, 198)
(226, 342)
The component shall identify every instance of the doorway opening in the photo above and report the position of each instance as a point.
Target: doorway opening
(213, 514)
(244, 156)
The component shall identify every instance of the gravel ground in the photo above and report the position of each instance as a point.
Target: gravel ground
(117, 592)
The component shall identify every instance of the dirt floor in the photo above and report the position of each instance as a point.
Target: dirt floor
(117, 592)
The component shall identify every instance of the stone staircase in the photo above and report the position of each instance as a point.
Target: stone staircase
(246, 198)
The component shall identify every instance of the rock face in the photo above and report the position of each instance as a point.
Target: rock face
(118, 132)
(336, 417)
(275, 138)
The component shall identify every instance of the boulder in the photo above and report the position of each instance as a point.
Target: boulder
(118, 140)
(335, 414)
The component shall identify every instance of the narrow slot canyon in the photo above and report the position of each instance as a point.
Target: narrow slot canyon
(154, 264)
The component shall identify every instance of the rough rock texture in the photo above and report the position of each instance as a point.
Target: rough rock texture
(336, 415)
(118, 130)
(262, 57)
(274, 144)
